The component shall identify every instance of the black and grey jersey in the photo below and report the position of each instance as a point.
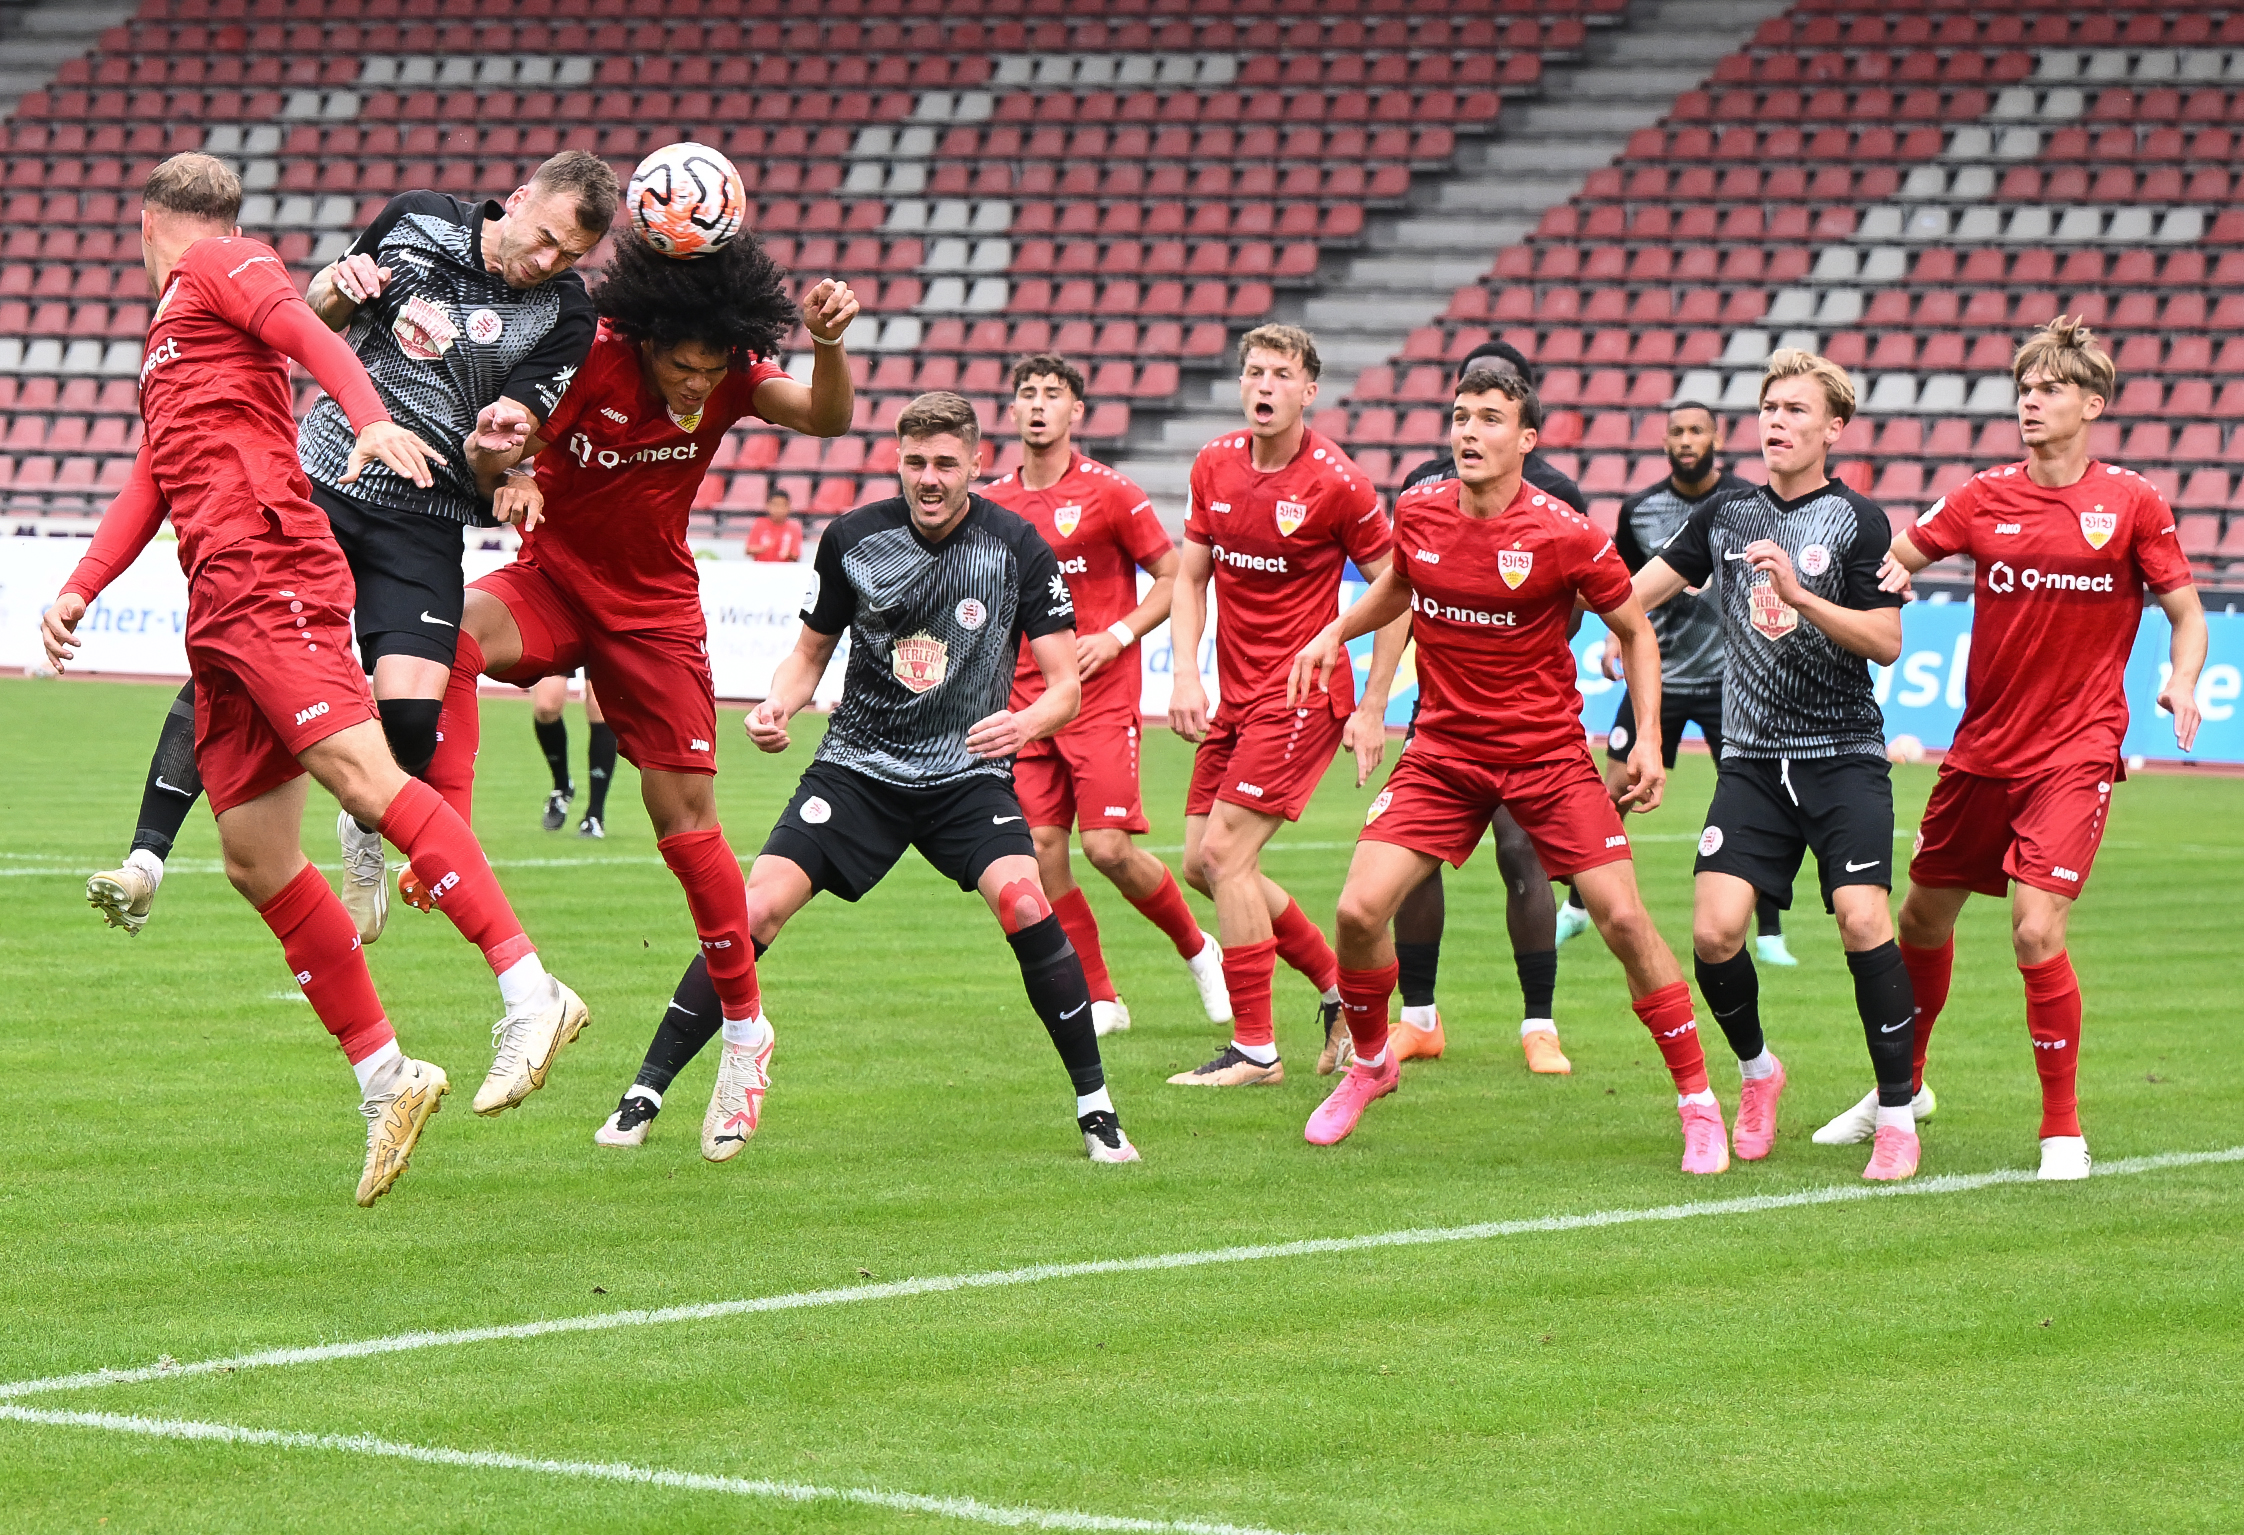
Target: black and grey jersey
(1687, 626)
(445, 338)
(934, 633)
(1787, 689)
(1537, 471)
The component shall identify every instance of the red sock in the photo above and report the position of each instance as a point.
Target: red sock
(452, 868)
(2053, 1018)
(459, 732)
(1667, 1013)
(1303, 947)
(321, 943)
(1166, 910)
(718, 898)
(1082, 929)
(1363, 1002)
(1246, 972)
(1929, 970)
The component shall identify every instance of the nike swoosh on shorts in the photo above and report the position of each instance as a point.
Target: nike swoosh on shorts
(1857, 868)
(1000, 820)
(430, 618)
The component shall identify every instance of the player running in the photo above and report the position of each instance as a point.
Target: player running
(1102, 528)
(268, 629)
(1689, 630)
(1493, 570)
(1276, 512)
(2064, 547)
(451, 306)
(936, 589)
(1533, 919)
(1792, 570)
(606, 581)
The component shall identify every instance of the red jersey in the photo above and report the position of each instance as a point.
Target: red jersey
(1280, 539)
(1103, 528)
(221, 430)
(775, 543)
(619, 473)
(2056, 602)
(1491, 600)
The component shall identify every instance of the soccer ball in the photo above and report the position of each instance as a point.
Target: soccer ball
(686, 200)
(1905, 749)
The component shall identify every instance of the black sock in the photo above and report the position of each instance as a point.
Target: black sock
(1888, 1005)
(1538, 979)
(690, 1021)
(1732, 990)
(173, 784)
(1052, 974)
(601, 759)
(553, 740)
(1768, 922)
(1574, 897)
(1417, 965)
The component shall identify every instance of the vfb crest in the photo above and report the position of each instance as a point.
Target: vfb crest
(1067, 519)
(1291, 515)
(1513, 565)
(2098, 527)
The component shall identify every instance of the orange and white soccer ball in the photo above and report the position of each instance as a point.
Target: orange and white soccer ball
(686, 200)
(1905, 749)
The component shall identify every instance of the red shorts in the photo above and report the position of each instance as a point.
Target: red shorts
(1440, 806)
(1085, 776)
(654, 684)
(269, 645)
(1271, 759)
(1980, 833)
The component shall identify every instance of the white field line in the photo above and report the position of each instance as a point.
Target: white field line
(1754, 1204)
(971, 1509)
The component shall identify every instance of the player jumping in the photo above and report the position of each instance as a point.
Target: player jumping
(1493, 569)
(1792, 570)
(2064, 547)
(607, 581)
(1103, 529)
(277, 693)
(1276, 511)
(936, 589)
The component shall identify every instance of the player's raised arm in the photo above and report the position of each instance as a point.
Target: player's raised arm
(821, 408)
(1386, 602)
(1640, 667)
(1188, 617)
(2187, 653)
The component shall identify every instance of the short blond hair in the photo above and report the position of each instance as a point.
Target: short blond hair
(1792, 362)
(2067, 350)
(1287, 341)
(197, 185)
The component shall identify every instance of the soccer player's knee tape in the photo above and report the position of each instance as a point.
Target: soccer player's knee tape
(410, 725)
(1021, 905)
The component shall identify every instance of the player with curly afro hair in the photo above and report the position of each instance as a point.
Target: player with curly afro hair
(734, 300)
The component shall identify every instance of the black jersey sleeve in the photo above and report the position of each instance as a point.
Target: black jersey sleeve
(1625, 542)
(539, 380)
(1440, 467)
(1873, 535)
(1551, 480)
(1690, 552)
(1045, 605)
(831, 602)
(369, 241)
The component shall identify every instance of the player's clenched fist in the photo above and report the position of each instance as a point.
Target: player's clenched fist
(828, 309)
(1647, 779)
(997, 737)
(767, 726)
(58, 628)
(393, 445)
(519, 501)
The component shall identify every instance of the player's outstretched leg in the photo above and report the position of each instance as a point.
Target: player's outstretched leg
(1531, 918)
(1662, 1001)
(125, 895)
(1053, 977)
(1417, 929)
(1380, 876)
(451, 769)
(689, 1021)
(1165, 908)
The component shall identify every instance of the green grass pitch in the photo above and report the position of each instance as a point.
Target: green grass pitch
(179, 1147)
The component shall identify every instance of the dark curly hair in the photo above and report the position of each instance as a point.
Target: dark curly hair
(734, 299)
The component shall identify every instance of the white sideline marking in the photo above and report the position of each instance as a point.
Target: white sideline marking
(1754, 1204)
(1009, 1516)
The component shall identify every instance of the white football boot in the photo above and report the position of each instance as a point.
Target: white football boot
(409, 1097)
(2064, 1158)
(1103, 1140)
(123, 895)
(1207, 974)
(736, 1103)
(628, 1125)
(525, 1042)
(1859, 1123)
(1110, 1018)
(366, 890)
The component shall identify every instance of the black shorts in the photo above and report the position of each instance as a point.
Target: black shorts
(1676, 711)
(1768, 811)
(410, 585)
(846, 830)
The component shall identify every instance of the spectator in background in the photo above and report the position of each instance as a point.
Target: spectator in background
(778, 538)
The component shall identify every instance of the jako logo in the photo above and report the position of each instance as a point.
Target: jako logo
(314, 712)
(698, 744)
(1254, 789)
